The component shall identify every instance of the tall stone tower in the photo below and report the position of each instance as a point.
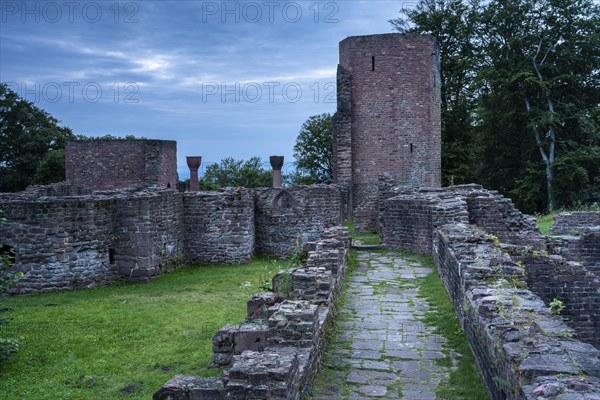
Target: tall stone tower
(387, 119)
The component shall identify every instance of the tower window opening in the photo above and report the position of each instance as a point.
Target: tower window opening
(372, 63)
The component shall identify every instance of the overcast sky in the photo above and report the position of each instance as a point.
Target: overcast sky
(222, 78)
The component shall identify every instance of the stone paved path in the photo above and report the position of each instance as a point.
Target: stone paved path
(381, 349)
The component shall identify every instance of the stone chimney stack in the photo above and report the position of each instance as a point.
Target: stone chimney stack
(193, 163)
(276, 164)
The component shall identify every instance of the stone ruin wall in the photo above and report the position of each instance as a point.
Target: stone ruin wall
(59, 244)
(499, 270)
(522, 350)
(584, 248)
(578, 236)
(409, 216)
(91, 239)
(498, 216)
(100, 164)
(387, 119)
(67, 237)
(576, 285)
(218, 226)
(571, 223)
(300, 213)
(147, 238)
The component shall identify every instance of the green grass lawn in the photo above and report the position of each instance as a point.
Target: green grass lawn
(124, 342)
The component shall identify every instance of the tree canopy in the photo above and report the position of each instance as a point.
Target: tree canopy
(313, 150)
(520, 95)
(233, 173)
(31, 144)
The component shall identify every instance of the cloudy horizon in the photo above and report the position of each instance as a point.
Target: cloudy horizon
(224, 79)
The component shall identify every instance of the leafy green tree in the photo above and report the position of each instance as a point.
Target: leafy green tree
(577, 169)
(297, 178)
(234, 173)
(31, 144)
(520, 90)
(541, 71)
(313, 150)
(110, 137)
(455, 26)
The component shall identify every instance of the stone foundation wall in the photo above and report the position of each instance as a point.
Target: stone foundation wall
(276, 353)
(523, 351)
(570, 223)
(219, 226)
(300, 213)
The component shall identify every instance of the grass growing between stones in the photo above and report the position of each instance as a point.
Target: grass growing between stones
(365, 238)
(544, 222)
(124, 342)
(465, 381)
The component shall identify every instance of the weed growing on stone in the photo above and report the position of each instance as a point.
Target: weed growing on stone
(298, 257)
(516, 283)
(492, 238)
(284, 283)
(266, 278)
(516, 300)
(556, 306)
(395, 387)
